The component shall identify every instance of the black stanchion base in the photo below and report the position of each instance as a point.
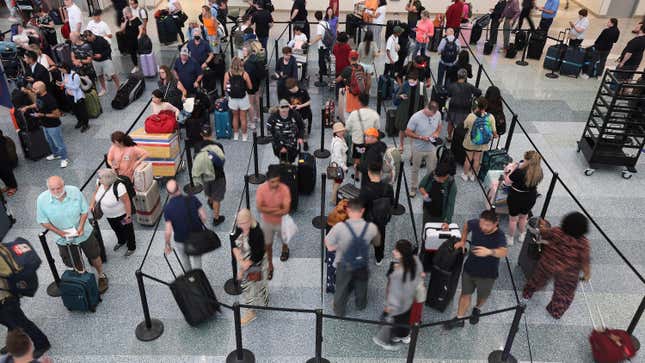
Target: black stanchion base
(53, 290)
(398, 210)
(316, 360)
(320, 84)
(145, 335)
(247, 357)
(263, 140)
(496, 357)
(265, 109)
(522, 63)
(322, 153)
(552, 75)
(232, 287)
(192, 189)
(257, 178)
(319, 222)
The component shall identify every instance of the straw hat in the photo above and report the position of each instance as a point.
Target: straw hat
(338, 127)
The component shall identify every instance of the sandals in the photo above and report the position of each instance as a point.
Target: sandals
(270, 274)
(285, 254)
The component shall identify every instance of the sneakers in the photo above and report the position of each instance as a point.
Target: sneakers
(245, 137)
(474, 317)
(305, 147)
(521, 237)
(103, 284)
(584, 76)
(236, 136)
(64, 163)
(102, 93)
(248, 317)
(52, 157)
(85, 128)
(117, 246)
(454, 323)
(413, 193)
(128, 253)
(379, 263)
(384, 345)
(404, 340)
(509, 239)
(217, 221)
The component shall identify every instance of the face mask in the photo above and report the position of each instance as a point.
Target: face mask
(59, 195)
(197, 37)
(412, 83)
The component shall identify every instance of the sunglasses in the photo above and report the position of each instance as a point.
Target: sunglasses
(284, 106)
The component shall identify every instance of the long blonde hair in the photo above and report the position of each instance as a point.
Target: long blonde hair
(237, 66)
(533, 170)
(246, 215)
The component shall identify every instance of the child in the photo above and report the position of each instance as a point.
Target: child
(338, 156)
(299, 38)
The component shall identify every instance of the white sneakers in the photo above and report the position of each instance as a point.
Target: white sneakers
(64, 163)
(521, 237)
(509, 240)
(245, 137)
(135, 70)
(102, 93)
(236, 136)
(384, 345)
(52, 157)
(584, 76)
(404, 340)
(468, 177)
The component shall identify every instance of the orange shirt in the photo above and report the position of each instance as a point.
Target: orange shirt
(124, 159)
(211, 25)
(265, 196)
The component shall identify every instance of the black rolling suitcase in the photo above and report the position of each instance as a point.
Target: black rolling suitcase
(531, 248)
(289, 176)
(554, 56)
(592, 65)
(536, 45)
(446, 270)
(478, 27)
(488, 48)
(129, 91)
(306, 173)
(456, 146)
(572, 62)
(352, 23)
(511, 52)
(194, 294)
(390, 123)
(167, 30)
(436, 39)
(34, 144)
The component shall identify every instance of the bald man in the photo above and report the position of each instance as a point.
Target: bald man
(45, 109)
(179, 223)
(63, 210)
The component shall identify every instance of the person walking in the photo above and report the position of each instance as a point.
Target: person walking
(403, 279)
(478, 121)
(481, 269)
(423, 128)
(338, 157)
(566, 254)
(112, 197)
(183, 214)
(523, 178)
(525, 14)
(510, 15)
(63, 210)
(253, 266)
(350, 240)
(208, 170)
(124, 156)
(578, 29)
(495, 20)
(377, 197)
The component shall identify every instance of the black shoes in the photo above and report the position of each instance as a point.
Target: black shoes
(474, 317)
(85, 128)
(454, 323)
(218, 221)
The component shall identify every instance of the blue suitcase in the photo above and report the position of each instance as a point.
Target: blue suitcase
(223, 128)
(79, 290)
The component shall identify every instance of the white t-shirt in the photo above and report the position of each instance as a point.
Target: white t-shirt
(320, 30)
(100, 29)
(141, 13)
(75, 17)
(581, 23)
(298, 41)
(111, 206)
(393, 47)
(381, 18)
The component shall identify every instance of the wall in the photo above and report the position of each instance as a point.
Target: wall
(597, 7)
(640, 8)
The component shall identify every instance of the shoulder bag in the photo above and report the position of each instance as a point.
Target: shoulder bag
(200, 242)
(97, 213)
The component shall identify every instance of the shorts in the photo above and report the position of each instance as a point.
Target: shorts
(90, 248)
(269, 230)
(239, 103)
(215, 189)
(483, 285)
(358, 150)
(105, 68)
(520, 202)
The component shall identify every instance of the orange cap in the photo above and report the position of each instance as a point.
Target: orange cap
(353, 55)
(372, 132)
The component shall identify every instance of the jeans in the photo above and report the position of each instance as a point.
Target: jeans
(54, 137)
(386, 333)
(545, 24)
(417, 159)
(188, 262)
(507, 31)
(124, 233)
(441, 72)
(323, 54)
(379, 251)
(494, 29)
(264, 41)
(419, 47)
(346, 281)
(12, 316)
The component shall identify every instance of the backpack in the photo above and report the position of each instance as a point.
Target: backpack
(445, 156)
(356, 256)
(481, 132)
(236, 86)
(129, 187)
(11, 152)
(450, 51)
(328, 38)
(19, 264)
(358, 80)
(381, 211)
(447, 256)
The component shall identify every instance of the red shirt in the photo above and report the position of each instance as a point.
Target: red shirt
(341, 52)
(454, 15)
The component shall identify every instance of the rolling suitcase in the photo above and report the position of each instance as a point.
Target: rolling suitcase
(520, 41)
(433, 237)
(446, 270)
(289, 176)
(495, 159)
(129, 91)
(34, 144)
(93, 104)
(78, 288)
(536, 45)
(554, 56)
(62, 53)
(511, 52)
(390, 123)
(167, 30)
(531, 248)
(385, 87)
(592, 65)
(148, 64)
(194, 294)
(478, 27)
(488, 48)
(146, 201)
(572, 62)
(440, 95)
(456, 146)
(306, 173)
(223, 128)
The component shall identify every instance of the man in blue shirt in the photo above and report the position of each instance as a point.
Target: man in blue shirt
(63, 210)
(549, 10)
(200, 50)
(188, 72)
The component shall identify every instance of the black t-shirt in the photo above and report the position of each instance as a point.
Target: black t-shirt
(636, 47)
(261, 19)
(371, 191)
(606, 39)
(518, 177)
(484, 267)
(47, 104)
(435, 207)
(102, 47)
(132, 30)
(301, 96)
(302, 11)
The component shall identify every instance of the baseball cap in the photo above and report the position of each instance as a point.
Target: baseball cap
(371, 132)
(398, 29)
(284, 102)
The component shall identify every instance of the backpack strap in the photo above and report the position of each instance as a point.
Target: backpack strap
(351, 231)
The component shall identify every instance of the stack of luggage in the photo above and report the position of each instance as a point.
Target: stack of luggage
(163, 151)
(147, 200)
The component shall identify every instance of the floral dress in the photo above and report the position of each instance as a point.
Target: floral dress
(254, 292)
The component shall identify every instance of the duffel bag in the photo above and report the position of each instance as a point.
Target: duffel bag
(164, 122)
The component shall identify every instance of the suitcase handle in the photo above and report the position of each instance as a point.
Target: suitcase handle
(170, 266)
(80, 256)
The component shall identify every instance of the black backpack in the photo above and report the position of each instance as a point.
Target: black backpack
(445, 156)
(450, 51)
(129, 187)
(237, 86)
(381, 211)
(447, 256)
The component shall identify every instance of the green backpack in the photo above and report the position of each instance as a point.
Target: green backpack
(93, 104)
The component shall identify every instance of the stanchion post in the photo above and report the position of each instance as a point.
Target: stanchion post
(239, 355)
(256, 177)
(277, 55)
(379, 100)
(505, 356)
(480, 70)
(247, 192)
(319, 339)
(263, 139)
(522, 62)
(99, 237)
(322, 153)
(398, 208)
(149, 329)
(232, 286)
(190, 188)
(266, 106)
(509, 134)
(407, 196)
(636, 318)
(320, 221)
(52, 289)
(549, 194)
(290, 31)
(414, 335)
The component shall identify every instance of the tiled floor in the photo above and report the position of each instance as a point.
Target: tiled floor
(553, 113)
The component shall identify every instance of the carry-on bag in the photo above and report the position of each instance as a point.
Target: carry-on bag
(289, 176)
(121, 42)
(93, 104)
(554, 57)
(62, 53)
(21, 263)
(390, 123)
(306, 173)
(495, 159)
(194, 294)
(148, 64)
(536, 45)
(164, 122)
(532, 247)
(572, 62)
(223, 128)
(78, 287)
(511, 51)
(592, 65)
(488, 48)
(445, 274)
(199, 242)
(348, 191)
(456, 146)
(433, 236)
(34, 144)
(129, 91)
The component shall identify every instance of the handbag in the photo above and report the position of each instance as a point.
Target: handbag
(536, 244)
(200, 242)
(97, 213)
(254, 273)
(335, 172)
